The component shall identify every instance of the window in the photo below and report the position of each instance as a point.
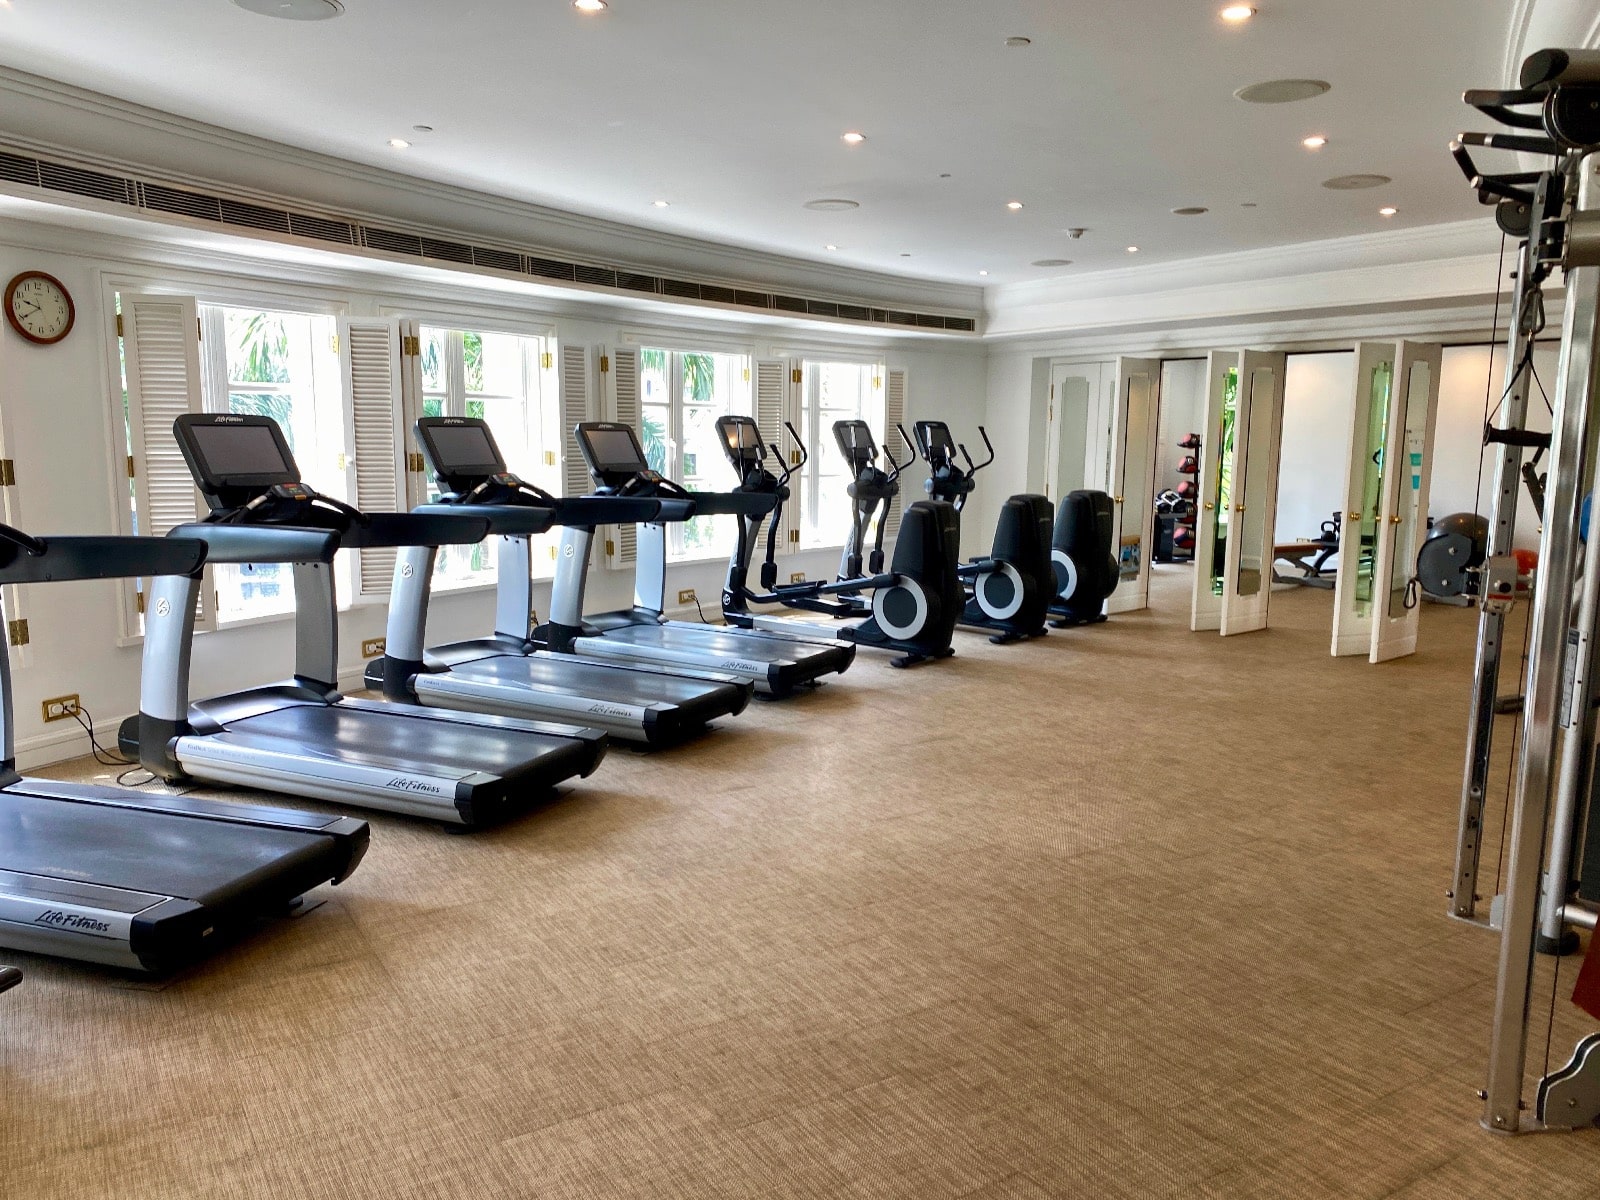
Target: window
(498, 377)
(681, 395)
(833, 391)
(281, 365)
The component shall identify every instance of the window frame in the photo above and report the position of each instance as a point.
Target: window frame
(871, 408)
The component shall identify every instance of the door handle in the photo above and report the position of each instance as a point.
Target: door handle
(1119, 499)
(1209, 506)
(1238, 508)
(1355, 516)
(1394, 520)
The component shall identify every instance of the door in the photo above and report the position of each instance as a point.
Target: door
(1074, 392)
(1216, 462)
(1403, 518)
(1132, 473)
(1258, 430)
(1354, 599)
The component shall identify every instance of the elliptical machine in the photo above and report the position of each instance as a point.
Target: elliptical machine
(1084, 569)
(1009, 591)
(872, 491)
(913, 607)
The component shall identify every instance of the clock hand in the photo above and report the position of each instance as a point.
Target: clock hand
(29, 303)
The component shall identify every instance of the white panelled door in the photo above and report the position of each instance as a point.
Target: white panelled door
(1402, 521)
(1257, 432)
(1354, 601)
(1216, 464)
(1133, 462)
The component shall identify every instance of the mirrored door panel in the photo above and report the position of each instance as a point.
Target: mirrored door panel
(1253, 492)
(1073, 408)
(1355, 585)
(1215, 454)
(1133, 459)
(1403, 518)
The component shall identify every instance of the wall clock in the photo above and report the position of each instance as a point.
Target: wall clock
(39, 307)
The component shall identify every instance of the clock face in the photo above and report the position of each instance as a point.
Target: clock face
(38, 307)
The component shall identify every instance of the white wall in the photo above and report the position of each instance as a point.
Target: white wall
(55, 403)
(1318, 409)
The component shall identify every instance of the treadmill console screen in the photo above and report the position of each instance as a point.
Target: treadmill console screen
(233, 450)
(615, 450)
(463, 450)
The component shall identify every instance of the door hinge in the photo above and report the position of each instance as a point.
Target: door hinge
(747, 374)
(411, 345)
(199, 331)
(611, 548)
(131, 472)
(119, 324)
(552, 551)
(17, 631)
(342, 463)
(794, 458)
(414, 462)
(794, 535)
(8, 473)
(877, 382)
(794, 375)
(605, 364)
(550, 461)
(138, 602)
(547, 360)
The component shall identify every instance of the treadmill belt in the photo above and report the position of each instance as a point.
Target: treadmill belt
(205, 861)
(396, 741)
(587, 680)
(720, 643)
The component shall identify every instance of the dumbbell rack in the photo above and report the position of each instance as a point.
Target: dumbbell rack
(1187, 524)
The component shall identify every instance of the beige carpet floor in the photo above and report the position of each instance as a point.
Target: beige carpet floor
(1131, 912)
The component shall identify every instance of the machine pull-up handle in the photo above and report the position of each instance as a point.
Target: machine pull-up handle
(896, 467)
(1516, 142)
(987, 445)
(805, 455)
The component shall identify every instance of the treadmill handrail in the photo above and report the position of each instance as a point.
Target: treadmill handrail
(387, 529)
(608, 510)
(262, 543)
(515, 520)
(60, 559)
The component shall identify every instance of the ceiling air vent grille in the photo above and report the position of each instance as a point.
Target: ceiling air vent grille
(60, 178)
(202, 206)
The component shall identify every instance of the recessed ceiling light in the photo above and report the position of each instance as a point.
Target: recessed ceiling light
(1355, 183)
(1193, 210)
(831, 205)
(1052, 262)
(399, 144)
(1133, 249)
(660, 203)
(1315, 142)
(292, 10)
(589, 6)
(1387, 211)
(830, 246)
(1237, 12)
(1283, 91)
(983, 272)
(1013, 205)
(422, 128)
(853, 138)
(1017, 43)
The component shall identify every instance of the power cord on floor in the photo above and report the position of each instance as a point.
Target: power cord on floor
(108, 758)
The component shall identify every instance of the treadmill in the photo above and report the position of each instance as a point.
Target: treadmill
(125, 878)
(776, 663)
(504, 673)
(301, 736)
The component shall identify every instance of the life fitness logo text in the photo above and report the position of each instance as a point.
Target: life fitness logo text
(229, 420)
(57, 919)
(401, 784)
(609, 710)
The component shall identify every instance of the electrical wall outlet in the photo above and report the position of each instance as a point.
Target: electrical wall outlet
(60, 708)
(373, 648)
(687, 596)
(797, 576)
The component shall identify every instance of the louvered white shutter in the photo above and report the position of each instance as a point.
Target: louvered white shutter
(161, 359)
(574, 408)
(894, 415)
(775, 405)
(625, 410)
(369, 358)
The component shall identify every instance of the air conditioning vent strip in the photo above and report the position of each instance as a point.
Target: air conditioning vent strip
(223, 210)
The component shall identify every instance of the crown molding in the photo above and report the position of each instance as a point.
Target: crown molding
(47, 115)
(176, 246)
(1538, 24)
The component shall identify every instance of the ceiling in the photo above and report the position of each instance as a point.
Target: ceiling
(732, 111)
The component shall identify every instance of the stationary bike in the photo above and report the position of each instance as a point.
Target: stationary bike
(1009, 591)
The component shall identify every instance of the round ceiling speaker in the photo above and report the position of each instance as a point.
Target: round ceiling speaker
(1052, 262)
(832, 205)
(1192, 211)
(293, 10)
(1283, 91)
(1355, 183)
